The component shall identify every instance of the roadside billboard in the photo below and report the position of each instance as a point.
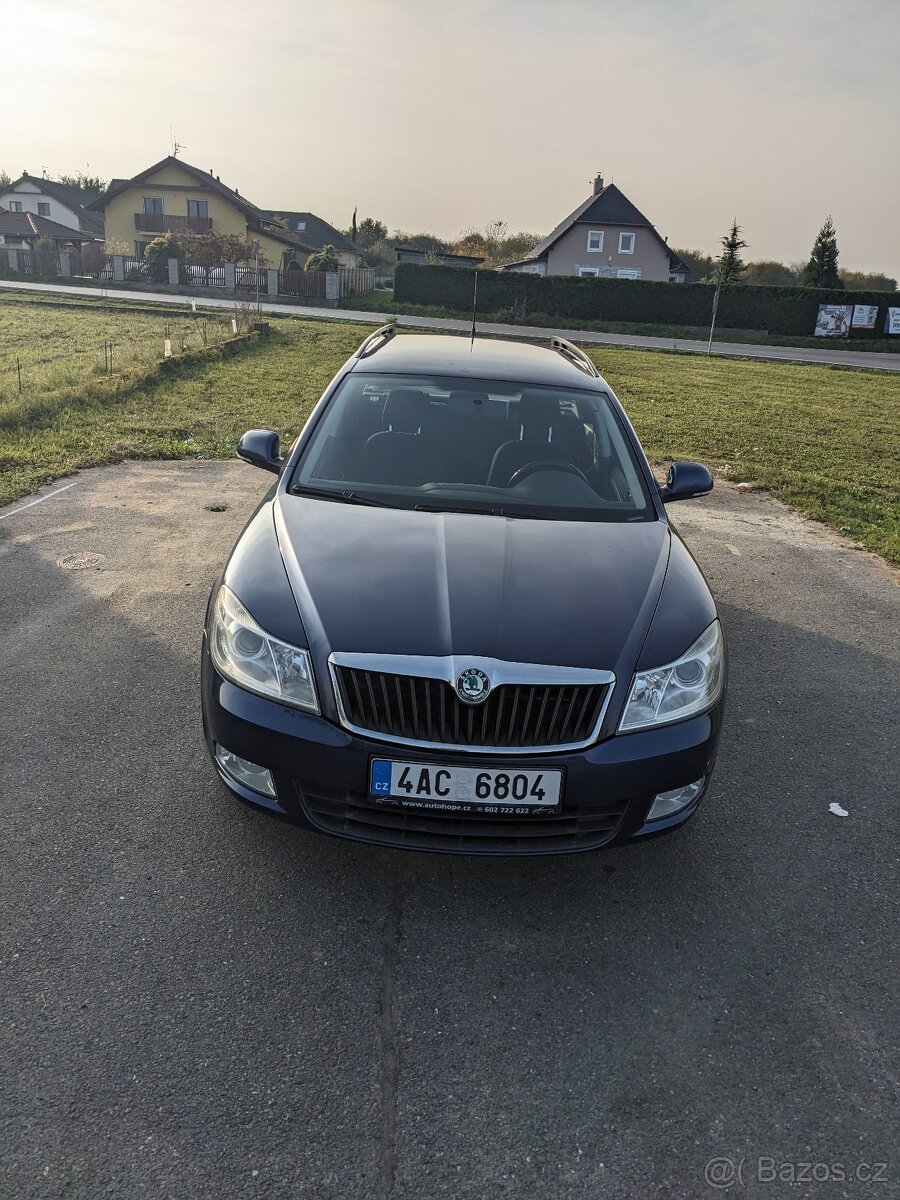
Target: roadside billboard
(865, 316)
(892, 321)
(834, 320)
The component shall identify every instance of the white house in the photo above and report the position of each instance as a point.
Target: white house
(55, 201)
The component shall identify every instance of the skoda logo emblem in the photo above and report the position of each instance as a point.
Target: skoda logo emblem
(473, 686)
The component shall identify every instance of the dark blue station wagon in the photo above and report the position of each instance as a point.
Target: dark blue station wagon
(460, 619)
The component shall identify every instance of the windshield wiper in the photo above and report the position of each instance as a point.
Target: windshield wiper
(346, 497)
(478, 512)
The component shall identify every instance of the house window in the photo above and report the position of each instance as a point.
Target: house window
(198, 208)
(626, 243)
(15, 206)
(153, 206)
(301, 225)
(595, 240)
(589, 271)
(139, 248)
(43, 209)
(628, 273)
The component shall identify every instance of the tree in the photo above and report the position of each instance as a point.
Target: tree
(5, 180)
(861, 281)
(698, 263)
(382, 256)
(369, 231)
(158, 252)
(421, 241)
(730, 264)
(770, 273)
(213, 248)
(325, 259)
(517, 245)
(822, 269)
(46, 257)
(90, 185)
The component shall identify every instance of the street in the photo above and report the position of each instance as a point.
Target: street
(871, 360)
(199, 1000)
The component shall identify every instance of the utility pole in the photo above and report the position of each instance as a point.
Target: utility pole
(715, 310)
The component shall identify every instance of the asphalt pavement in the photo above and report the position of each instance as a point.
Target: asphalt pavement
(872, 360)
(200, 1001)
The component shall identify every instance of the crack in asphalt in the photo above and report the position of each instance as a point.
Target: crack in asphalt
(390, 1058)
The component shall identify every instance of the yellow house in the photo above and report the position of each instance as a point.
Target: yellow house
(173, 196)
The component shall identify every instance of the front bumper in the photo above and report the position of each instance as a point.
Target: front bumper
(321, 774)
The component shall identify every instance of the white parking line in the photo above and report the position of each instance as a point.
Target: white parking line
(40, 500)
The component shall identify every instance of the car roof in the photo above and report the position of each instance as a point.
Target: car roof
(481, 358)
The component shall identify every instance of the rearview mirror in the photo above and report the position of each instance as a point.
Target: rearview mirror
(686, 480)
(262, 448)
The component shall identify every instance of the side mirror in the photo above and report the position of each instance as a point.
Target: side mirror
(261, 448)
(686, 480)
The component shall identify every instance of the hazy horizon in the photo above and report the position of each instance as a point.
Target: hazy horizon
(441, 119)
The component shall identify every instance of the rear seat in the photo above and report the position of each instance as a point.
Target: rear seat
(478, 424)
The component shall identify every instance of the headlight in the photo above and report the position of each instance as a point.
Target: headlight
(255, 660)
(681, 689)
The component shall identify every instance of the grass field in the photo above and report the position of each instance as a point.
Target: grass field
(824, 440)
(53, 345)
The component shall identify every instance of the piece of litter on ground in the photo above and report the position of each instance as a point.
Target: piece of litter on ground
(734, 550)
(837, 810)
(744, 487)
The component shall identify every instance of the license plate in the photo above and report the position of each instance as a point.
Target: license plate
(435, 786)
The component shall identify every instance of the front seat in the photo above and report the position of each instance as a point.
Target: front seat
(535, 415)
(398, 453)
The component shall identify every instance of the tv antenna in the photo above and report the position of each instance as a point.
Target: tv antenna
(176, 146)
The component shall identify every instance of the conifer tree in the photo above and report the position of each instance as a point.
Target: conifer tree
(822, 269)
(731, 265)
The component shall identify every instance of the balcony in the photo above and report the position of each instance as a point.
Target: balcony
(161, 223)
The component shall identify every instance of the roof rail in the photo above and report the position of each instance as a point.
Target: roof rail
(382, 335)
(576, 354)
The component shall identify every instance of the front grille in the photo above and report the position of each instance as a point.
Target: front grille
(429, 710)
(560, 832)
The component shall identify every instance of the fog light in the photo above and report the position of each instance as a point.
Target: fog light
(250, 774)
(666, 804)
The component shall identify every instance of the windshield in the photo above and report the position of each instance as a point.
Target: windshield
(457, 445)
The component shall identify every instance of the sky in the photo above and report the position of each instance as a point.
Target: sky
(441, 116)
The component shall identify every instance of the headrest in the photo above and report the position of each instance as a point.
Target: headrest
(536, 413)
(404, 410)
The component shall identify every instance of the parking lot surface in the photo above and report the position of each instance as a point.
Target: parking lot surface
(197, 1000)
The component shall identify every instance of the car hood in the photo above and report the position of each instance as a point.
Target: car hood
(387, 581)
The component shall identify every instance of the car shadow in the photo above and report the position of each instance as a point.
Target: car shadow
(594, 1007)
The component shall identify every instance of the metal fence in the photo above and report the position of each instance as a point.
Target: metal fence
(248, 279)
(196, 276)
(137, 268)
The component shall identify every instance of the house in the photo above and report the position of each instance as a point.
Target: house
(605, 236)
(172, 196)
(20, 230)
(408, 254)
(318, 233)
(56, 201)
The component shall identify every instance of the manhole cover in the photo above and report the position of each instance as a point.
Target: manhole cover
(79, 562)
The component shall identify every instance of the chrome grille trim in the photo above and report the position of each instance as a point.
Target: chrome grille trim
(446, 670)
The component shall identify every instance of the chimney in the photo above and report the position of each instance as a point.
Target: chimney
(598, 185)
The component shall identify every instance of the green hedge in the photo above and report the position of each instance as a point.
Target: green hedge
(777, 310)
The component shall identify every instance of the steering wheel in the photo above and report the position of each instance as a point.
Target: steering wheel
(532, 468)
